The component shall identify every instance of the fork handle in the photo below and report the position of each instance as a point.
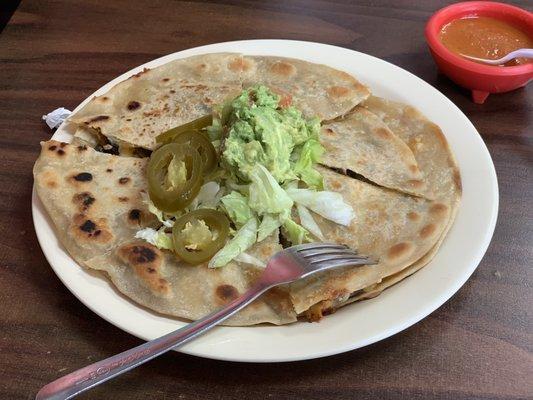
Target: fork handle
(92, 375)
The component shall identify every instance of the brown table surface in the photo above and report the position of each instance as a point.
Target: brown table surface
(477, 346)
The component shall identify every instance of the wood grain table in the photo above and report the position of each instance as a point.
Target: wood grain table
(478, 345)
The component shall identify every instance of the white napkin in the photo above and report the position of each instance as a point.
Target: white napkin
(56, 117)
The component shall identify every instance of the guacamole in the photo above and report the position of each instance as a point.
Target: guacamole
(260, 131)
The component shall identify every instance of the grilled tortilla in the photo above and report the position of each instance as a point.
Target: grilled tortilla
(134, 112)
(160, 281)
(443, 180)
(395, 228)
(362, 143)
(315, 89)
(94, 199)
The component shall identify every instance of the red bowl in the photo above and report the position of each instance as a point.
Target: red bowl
(481, 79)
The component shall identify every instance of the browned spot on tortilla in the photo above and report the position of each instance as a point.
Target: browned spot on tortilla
(457, 180)
(123, 199)
(51, 184)
(383, 133)
(90, 230)
(83, 200)
(108, 170)
(338, 91)
(82, 148)
(133, 105)
(123, 180)
(438, 208)
(415, 183)
(283, 69)
(247, 64)
(399, 250)
(83, 177)
(329, 132)
(343, 75)
(155, 113)
(226, 292)
(134, 215)
(413, 216)
(52, 148)
(165, 79)
(60, 152)
(98, 118)
(146, 261)
(172, 91)
(140, 254)
(239, 64)
(63, 144)
(335, 184)
(427, 231)
(138, 74)
(413, 168)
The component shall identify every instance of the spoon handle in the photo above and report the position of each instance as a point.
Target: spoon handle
(520, 53)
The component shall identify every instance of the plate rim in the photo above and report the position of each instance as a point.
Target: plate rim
(431, 305)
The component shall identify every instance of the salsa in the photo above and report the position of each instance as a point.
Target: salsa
(484, 37)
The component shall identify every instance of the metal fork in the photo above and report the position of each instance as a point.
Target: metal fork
(286, 266)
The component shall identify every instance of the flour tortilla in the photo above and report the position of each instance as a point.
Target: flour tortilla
(315, 89)
(362, 143)
(395, 228)
(443, 180)
(428, 144)
(94, 199)
(163, 283)
(134, 112)
(402, 231)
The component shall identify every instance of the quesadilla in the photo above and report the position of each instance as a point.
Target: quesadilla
(362, 143)
(394, 228)
(134, 112)
(388, 185)
(94, 199)
(169, 286)
(317, 90)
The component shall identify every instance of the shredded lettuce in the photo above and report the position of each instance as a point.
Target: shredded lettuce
(269, 224)
(296, 234)
(246, 258)
(308, 155)
(329, 205)
(243, 240)
(308, 222)
(208, 196)
(158, 238)
(266, 195)
(160, 215)
(237, 208)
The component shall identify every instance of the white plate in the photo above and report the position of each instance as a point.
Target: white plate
(358, 324)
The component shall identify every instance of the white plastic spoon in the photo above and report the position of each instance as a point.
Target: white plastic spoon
(520, 53)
